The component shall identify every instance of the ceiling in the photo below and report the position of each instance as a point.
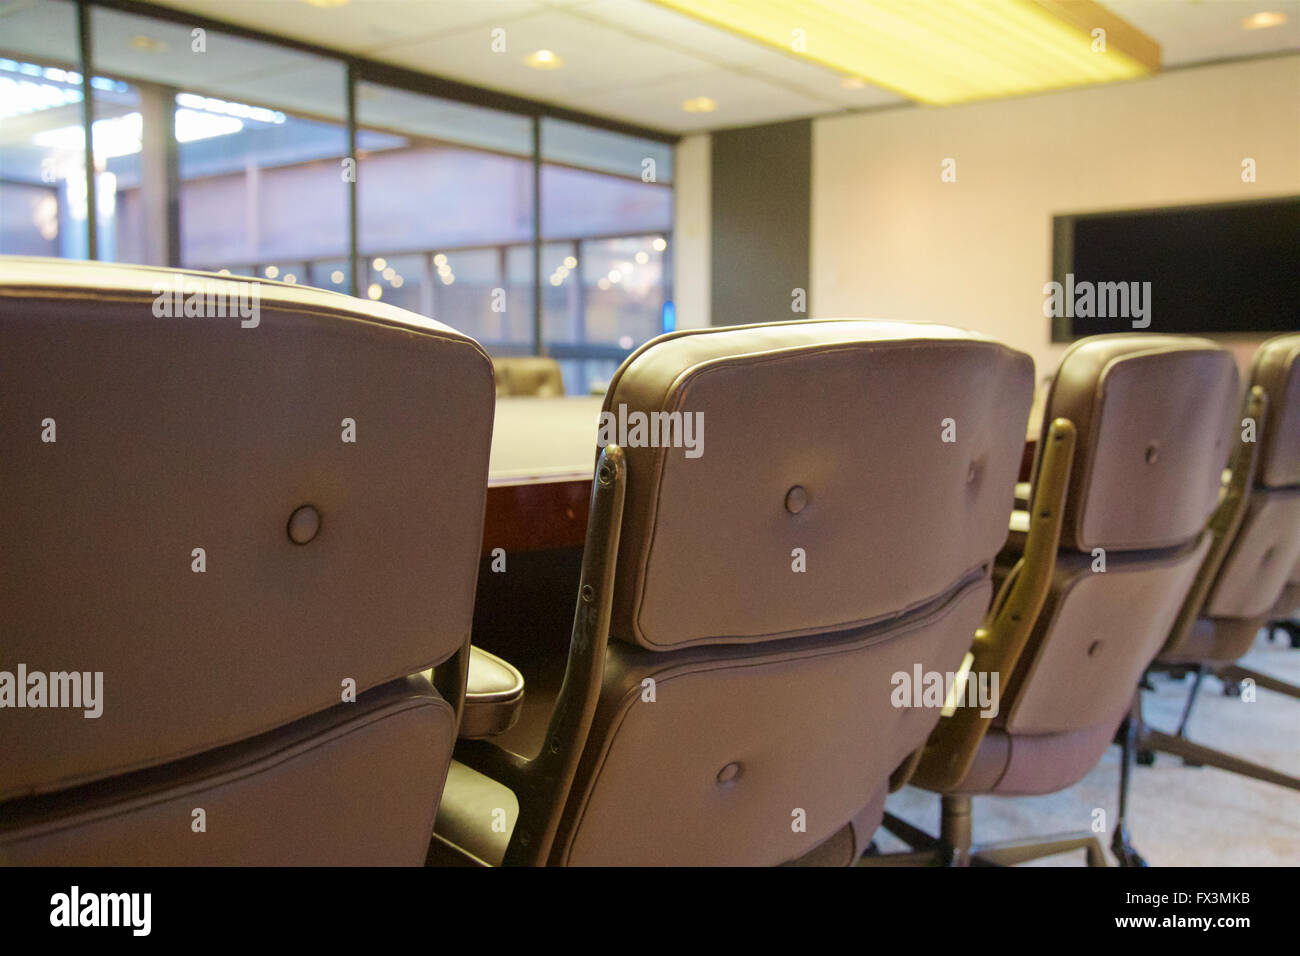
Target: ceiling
(638, 62)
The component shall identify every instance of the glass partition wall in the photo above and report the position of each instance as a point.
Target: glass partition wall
(225, 151)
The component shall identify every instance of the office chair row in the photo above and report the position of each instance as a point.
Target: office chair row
(265, 541)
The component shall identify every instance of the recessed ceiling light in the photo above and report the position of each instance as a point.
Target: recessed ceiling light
(326, 4)
(699, 104)
(852, 82)
(544, 60)
(147, 43)
(1262, 21)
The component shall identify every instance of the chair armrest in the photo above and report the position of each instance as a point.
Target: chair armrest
(998, 643)
(494, 696)
(1023, 492)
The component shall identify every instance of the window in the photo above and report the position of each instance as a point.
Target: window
(445, 196)
(229, 153)
(42, 160)
(254, 164)
(606, 286)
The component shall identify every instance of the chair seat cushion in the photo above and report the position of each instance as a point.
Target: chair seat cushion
(1016, 765)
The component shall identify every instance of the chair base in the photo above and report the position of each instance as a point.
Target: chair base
(954, 847)
(1234, 674)
(1150, 741)
(1125, 853)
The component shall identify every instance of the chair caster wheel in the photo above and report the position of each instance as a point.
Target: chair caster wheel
(1125, 855)
(1130, 857)
(872, 849)
(1290, 628)
(1147, 758)
(1231, 689)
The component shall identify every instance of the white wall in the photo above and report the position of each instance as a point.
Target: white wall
(692, 219)
(890, 240)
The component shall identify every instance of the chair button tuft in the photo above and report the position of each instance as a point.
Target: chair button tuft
(796, 499)
(304, 524)
(729, 773)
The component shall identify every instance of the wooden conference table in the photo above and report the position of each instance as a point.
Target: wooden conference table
(539, 475)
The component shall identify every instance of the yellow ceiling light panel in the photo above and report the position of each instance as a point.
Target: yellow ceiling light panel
(944, 51)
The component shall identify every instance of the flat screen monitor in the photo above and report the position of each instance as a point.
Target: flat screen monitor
(1225, 267)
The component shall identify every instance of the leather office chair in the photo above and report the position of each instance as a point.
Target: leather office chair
(742, 614)
(234, 519)
(1127, 471)
(534, 376)
(1243, 584)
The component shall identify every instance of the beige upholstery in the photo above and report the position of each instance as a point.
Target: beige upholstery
(1287, 606)
(533, 376)
(1069, 680)
(1277, 371)
(1265, 553)
(1153, 418)
(1138, 480)
(350, 786)
(183, 433)
(809, 724)
(740, 695)
(761, 390)
(1262, 556)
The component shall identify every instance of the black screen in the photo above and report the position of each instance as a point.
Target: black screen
(1232, 267)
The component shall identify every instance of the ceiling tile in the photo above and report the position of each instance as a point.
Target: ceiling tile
(666, 27)
(1191, 31)
(362, 25)
(742, 100)
(636, 60)
(592, 54)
